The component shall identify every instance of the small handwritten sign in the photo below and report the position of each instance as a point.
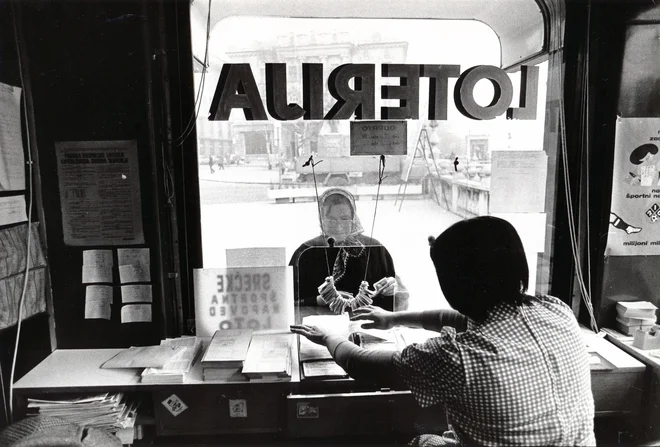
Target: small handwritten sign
(242, 298)
(379, 137)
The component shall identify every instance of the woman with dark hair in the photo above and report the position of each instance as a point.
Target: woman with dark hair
(509, 368)
(343, 253)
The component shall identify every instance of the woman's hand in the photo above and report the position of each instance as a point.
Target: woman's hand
(312, 333)
(380, 318)
(386, 286)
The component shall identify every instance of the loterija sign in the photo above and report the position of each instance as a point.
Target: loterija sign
(237, 89)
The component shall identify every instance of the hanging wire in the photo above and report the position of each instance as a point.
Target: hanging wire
(29, 184)
(310, 162)
(586, 297)
(381, 177)
(190, 126)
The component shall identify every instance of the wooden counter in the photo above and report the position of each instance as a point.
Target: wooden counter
(297, 408)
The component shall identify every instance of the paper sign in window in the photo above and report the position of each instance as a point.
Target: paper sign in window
(98, 302)
(518, 182)
(136, 293)
(136, 313)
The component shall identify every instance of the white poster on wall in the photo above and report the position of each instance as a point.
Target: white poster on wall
(635, 210)
(12, 158)
(242, 298)
(100, 192)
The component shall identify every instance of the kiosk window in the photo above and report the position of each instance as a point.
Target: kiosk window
(441, 164)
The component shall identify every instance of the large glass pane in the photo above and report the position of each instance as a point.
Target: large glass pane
(257, 192)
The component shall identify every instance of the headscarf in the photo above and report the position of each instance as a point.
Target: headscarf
(351, 246)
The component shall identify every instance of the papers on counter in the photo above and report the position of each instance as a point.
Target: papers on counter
(144, 356)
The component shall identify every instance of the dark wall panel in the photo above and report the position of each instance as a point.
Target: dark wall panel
(87, 66)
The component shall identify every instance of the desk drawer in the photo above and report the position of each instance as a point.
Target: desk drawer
(218, 409)
(617, 391)
(355, 414)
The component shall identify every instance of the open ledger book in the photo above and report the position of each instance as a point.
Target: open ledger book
(317, 363)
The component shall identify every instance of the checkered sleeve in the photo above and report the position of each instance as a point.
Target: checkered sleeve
(433, 370)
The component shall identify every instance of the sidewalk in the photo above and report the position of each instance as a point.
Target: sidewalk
(240, 174)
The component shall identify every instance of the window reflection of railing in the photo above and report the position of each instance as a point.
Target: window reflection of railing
(461, 196)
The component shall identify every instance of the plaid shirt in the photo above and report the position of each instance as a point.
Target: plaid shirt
(521, 377)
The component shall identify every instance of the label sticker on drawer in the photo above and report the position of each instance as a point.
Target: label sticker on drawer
(174, 405)
(237, 408)
(307, 410)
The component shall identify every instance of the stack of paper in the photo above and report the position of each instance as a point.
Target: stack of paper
(633, 315)
(223, 359)
(110, 412)
(177, 368)
(269, 356)
(144, 356)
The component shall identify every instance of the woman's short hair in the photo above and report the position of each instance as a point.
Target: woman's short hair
(336, 199)
(480, 262)
(642, 151)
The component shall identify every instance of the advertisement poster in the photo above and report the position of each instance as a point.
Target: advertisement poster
(100, 192)
(634, 218)
(242, 298)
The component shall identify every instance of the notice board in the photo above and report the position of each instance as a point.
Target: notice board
(99, 187)
(379, 137)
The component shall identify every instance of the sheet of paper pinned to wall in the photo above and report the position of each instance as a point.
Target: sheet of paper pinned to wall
(13, 250)
(134, 265)
(12, 210)
(98, 302)
(96, 274)
(98, 257)
(97, 266)
(517, 182)
(99, 184)
(12, 158)
(136, 313)
(11, 289)
(136, 293)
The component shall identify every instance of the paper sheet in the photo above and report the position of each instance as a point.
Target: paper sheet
(136, 293)
(134, 273)
(96, 274)
(517, 182)
(10, 295)
(98, 257)
(99, 187)
(12, 158)
(136, 313)
(13, 249)
(12, 210)
(133, 256)
(144, 357)
(323, 368)
(98, 302)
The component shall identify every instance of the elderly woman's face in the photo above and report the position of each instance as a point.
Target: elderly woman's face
(338, 221)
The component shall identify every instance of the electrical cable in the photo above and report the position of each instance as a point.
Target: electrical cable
(381, 171)
(310, 162)
(198, 99)
(5, 407)
(29, 223)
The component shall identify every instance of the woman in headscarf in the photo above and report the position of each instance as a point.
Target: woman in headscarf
(342, 252)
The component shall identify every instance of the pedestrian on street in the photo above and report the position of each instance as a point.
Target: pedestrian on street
(211, 162)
